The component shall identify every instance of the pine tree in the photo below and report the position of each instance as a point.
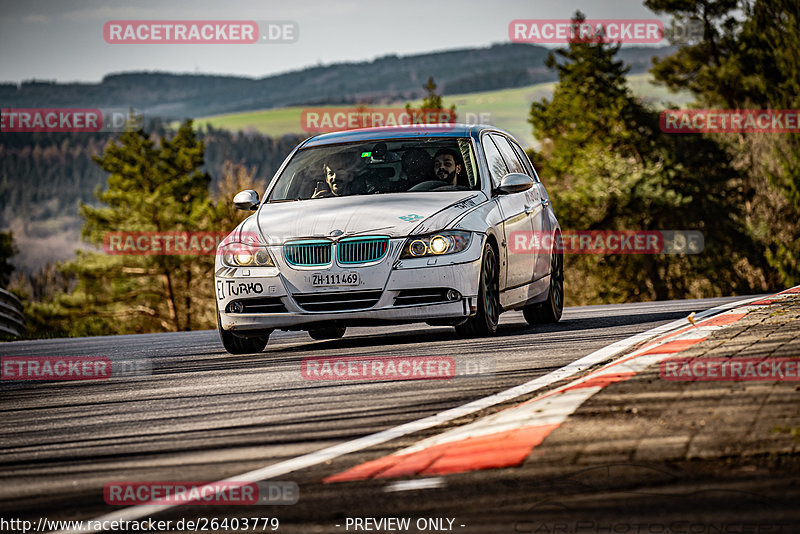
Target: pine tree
(432, 100)
(151, 188)
(749, 57)
(609, 167)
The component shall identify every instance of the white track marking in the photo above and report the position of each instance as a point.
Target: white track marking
(415, 484)
(553, 409)
(335, 451)
(550, 410)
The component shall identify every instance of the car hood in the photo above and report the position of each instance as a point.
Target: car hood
(395, 215)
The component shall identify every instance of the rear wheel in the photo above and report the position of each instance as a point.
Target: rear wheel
(550, 310)
(485, 321)
(242, 345)
(328, 332)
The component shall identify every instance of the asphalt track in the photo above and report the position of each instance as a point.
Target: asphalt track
(205, 415)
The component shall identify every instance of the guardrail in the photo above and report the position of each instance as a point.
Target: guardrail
(12, 321)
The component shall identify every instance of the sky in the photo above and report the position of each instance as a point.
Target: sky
(63, 40)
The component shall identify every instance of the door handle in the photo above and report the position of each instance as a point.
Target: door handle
(528, 209)
(545, 202)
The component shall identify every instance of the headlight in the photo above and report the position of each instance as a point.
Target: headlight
(448, 242)
(241, 255)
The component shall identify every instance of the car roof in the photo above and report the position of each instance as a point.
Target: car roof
(398, 132)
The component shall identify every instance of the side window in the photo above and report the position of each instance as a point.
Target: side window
(514, 165)
(526, 161)
(497, 167)
(468, 157)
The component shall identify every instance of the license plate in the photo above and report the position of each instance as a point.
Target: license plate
(334, 279)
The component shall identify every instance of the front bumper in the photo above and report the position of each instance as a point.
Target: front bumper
(284, 286)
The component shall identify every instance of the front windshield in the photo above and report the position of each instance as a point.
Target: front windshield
(365, 168)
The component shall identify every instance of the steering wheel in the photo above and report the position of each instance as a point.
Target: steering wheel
(428, 185)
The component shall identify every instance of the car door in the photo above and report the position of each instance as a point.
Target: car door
(540, 219)
(549, 223)
(518, 267)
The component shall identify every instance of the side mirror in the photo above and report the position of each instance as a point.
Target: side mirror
(246, 200)
(515, 182)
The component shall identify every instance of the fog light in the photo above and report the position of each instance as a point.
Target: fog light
(452, 294)
(235, 307)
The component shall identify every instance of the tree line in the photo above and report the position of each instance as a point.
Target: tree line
(47, 175)
(387, 78)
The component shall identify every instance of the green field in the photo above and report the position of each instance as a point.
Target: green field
(507, 109)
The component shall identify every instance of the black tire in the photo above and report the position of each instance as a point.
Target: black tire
(242, 345)
(484, 322)
(550, 310)
(327, 332)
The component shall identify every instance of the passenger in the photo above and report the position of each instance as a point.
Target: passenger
(448, 166)
(418, 166)
(339, 172)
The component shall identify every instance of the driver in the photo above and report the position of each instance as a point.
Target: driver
(339, 171)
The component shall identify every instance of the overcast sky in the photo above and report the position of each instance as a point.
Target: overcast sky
(63, 40)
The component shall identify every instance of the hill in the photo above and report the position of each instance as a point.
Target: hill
(504, 108)
(384, 79)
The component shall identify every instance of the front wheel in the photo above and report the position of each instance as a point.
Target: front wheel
(485, 321)
(242, 345)
(550, 310)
